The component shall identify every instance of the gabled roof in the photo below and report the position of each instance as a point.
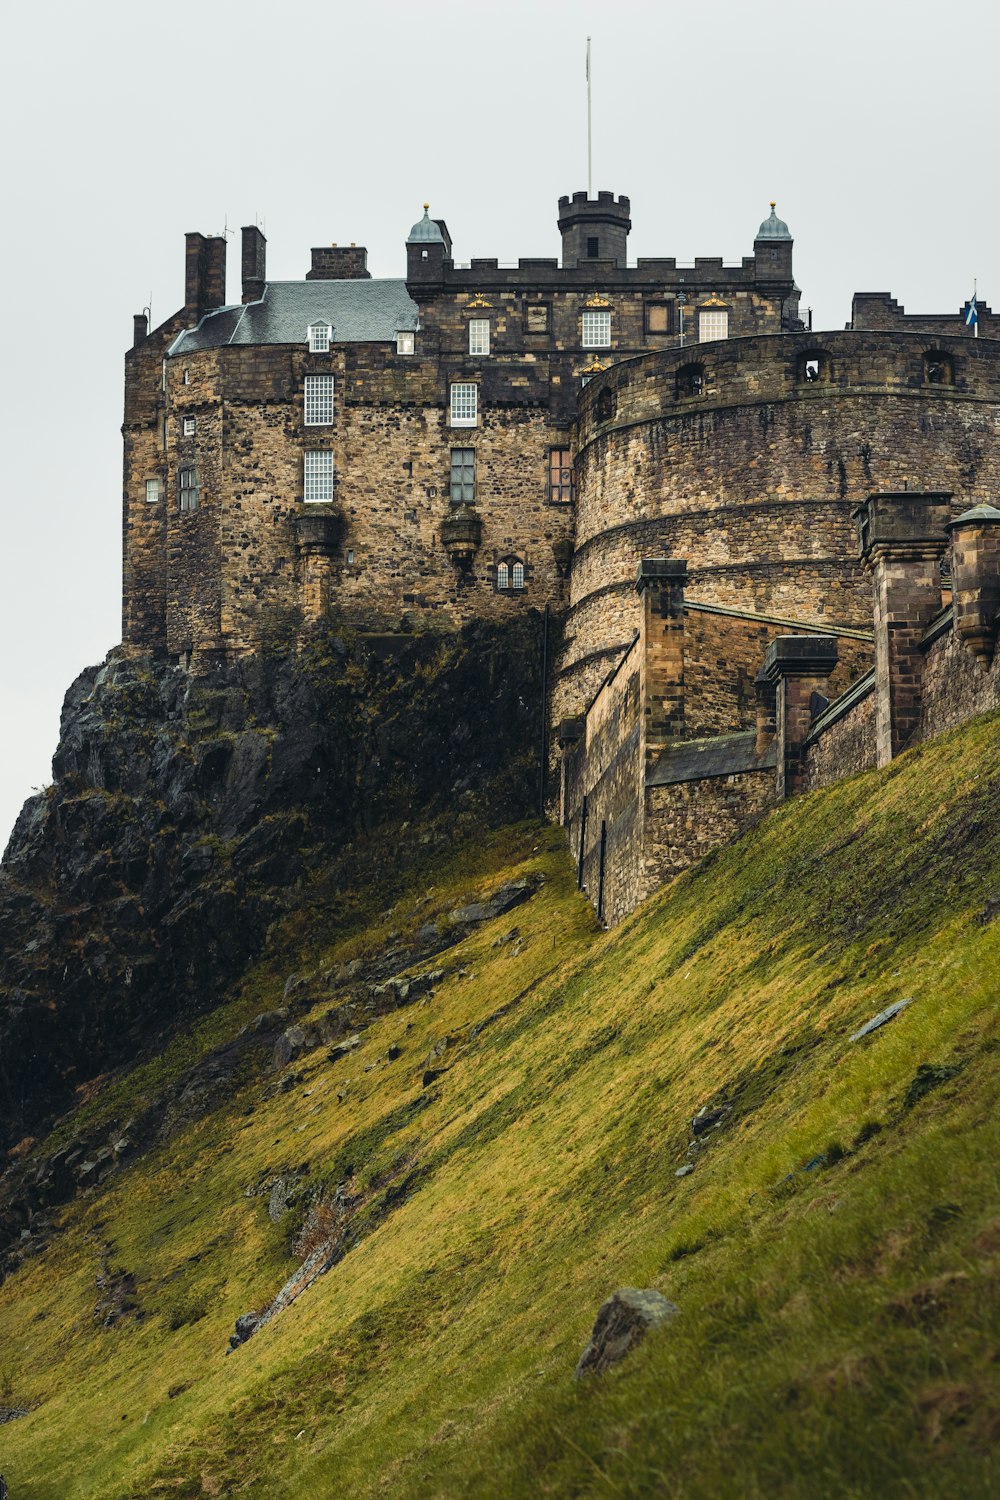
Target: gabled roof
(366, 311)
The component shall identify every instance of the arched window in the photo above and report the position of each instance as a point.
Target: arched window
(939, 368)
(510, 575)
(814, 365)
(690, 380)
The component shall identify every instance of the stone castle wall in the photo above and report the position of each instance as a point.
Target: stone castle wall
(754, 479)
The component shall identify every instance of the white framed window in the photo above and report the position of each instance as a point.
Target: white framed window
(187, 489)
(319, 400)
(350, 556)
(317, 475)
(189, 426)
(152, 491)
(187, 377)
(318, 335)
(464, 403)
(517, 576)
(503, 576)
(712, 325)
(405, 342)
(479, 336)
(596, 330)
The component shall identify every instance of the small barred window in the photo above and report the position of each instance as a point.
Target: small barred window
(596, 330)
(318, 476)
(479, 336)
(319, 400)
(713, 325)
(319, 337)
(464, 404)
(463, 476)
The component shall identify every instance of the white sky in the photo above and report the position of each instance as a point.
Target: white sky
(873, 123)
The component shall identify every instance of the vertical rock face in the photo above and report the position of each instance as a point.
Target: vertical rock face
(184, 808)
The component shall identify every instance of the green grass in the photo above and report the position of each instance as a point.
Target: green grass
(839, 1329)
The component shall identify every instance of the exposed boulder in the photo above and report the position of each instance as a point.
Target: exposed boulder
(622, 1322)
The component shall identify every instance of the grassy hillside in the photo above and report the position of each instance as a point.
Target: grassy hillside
(834, 1252)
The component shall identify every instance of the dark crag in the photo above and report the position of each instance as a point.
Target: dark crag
(185, 809)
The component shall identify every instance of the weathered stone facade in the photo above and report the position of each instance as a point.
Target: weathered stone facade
(475, 440)
(215, 410)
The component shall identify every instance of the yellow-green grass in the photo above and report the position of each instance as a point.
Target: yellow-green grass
(838, 1334)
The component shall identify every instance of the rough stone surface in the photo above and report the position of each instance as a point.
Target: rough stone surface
(622, 1322)
(186, 807)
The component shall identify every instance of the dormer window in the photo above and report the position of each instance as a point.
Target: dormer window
(405, 342)
(319, 335)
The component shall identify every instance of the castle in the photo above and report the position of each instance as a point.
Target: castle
(663, 455)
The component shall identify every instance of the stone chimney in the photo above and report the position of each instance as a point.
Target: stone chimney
(975, 578)
(204, 274)
(254, 263)
(339, 263)
(799, 666)
(660, 585)
(902, 538)
(140, 328)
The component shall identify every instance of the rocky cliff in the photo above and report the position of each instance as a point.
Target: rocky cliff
(185, 810)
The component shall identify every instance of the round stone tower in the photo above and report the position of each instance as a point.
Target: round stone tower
(747, 458)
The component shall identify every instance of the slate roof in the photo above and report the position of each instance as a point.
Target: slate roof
(723, 755)
(366, 311)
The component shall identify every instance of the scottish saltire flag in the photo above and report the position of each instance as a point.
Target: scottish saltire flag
(972, 314)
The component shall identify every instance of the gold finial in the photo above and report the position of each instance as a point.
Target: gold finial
(774, 204)
(427, 206)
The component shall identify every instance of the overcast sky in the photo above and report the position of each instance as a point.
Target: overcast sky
(872, 122)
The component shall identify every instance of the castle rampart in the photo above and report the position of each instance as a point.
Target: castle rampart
(753, 471)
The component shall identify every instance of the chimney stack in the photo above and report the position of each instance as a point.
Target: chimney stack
(253, 263)
(204, 273)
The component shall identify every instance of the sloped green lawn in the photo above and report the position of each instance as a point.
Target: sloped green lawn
(834, 1252)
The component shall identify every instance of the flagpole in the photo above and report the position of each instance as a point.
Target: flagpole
(975, 298)
(590, 175)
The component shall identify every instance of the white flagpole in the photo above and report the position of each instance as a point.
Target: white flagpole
(590, 176)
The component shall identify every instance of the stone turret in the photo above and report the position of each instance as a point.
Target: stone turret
(594, 229)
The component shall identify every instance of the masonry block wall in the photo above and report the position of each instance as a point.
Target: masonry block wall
(749, 459)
